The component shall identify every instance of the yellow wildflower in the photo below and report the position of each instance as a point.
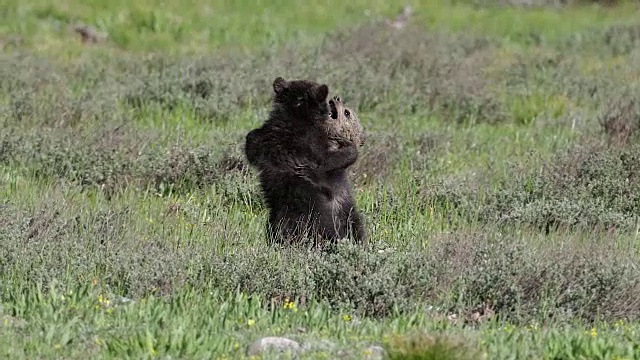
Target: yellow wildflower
(290, 305)
(251, 322)
(103, 300)
(346, 317)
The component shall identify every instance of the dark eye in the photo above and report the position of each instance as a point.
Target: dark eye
(347, 113)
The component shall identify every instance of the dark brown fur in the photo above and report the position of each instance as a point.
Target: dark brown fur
(303, 178)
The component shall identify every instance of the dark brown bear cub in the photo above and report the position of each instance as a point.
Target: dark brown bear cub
(303, 177)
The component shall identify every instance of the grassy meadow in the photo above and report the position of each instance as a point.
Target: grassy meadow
(500, 181)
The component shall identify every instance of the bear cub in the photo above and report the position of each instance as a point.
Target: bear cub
(345, 127)
(302, 162)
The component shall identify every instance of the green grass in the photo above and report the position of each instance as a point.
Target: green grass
(84, 321)
(541, 24)
(192, 26)
(500, 171)
(199, 26)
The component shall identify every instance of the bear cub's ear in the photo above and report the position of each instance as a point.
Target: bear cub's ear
(321, 93)
(279, 84)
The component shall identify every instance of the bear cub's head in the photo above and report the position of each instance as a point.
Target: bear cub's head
(304, 101)
(343, 124)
